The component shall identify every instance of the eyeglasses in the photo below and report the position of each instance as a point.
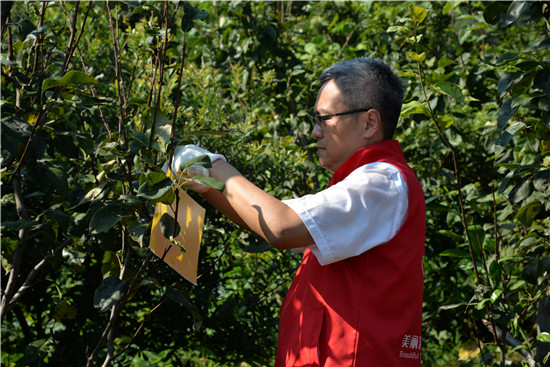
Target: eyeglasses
(320, 119)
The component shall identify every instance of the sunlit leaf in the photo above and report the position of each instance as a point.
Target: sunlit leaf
(414, 107)
(156, 186)
(450, 89)
(72, 77)
(210, 182)
(544, 337)
(109, 293)
(469, 350)
(416, 57)
(418, 13)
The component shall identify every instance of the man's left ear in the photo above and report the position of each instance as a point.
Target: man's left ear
(373, 125)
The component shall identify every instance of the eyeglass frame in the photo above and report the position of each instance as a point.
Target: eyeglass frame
(320, 119)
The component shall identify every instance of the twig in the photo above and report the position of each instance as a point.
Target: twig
(162, 59)
(118, 309)
(510, 340)
(139, 329)
(19, 249)
(32, 274)
(178, 99)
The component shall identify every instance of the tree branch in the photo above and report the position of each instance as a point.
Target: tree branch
(510, 340)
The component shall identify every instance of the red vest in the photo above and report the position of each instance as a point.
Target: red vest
(363, 311)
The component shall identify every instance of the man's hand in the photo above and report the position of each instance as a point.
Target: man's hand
(182, 155)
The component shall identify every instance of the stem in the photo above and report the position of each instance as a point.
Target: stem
(34, 272)
(162, 50)
(118, 72)
(455, 165)
(138, 330)
(19, 250)
(178, 99)
(118, 309)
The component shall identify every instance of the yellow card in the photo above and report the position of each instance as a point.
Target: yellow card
(191, 221)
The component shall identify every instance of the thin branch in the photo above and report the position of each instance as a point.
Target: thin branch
(178, 99)
(118, 309)
(34, 272)
(139, 329)
(19, 249)
(510, 340)
(118, 72)
(162, 60)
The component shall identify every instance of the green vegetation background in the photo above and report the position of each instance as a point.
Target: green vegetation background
(95, 95)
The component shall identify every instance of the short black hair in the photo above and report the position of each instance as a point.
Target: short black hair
(369, 82)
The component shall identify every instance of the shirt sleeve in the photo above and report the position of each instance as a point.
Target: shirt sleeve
(364, 210)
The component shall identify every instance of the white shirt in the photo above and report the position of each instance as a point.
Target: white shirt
(364, 210)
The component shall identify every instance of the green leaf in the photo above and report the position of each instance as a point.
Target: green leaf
(109, 293)
(64, 311)
(156, 186)
(263, 246)
(446, 121)
(545, 42)
(70, 78)
(37, 351)
(163, 128)
(414, 108)
(494, 11)
(526, 215)
(544, 337)
(451, 90)
(469, 350)
(509, 133)
(521, 191)
(106, 217)
(541, 181)
(455, 252)
(167, 224)
(15, 134)
(201, 160)
(418, 13)
(505, 113)
(416, 57)
(17, 224)
(396, 28)
(177, 293)
(190, 13)
(477, 237)
(495, 295)
(507, 80)
(210, 182)
(507, 56)
(58, 176)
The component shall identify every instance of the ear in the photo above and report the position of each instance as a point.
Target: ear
(373, 126)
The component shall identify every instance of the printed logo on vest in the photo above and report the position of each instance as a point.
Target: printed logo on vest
(410, 346)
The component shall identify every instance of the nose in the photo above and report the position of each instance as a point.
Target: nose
(317, 132)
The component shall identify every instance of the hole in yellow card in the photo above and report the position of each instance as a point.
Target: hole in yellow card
(183, 256)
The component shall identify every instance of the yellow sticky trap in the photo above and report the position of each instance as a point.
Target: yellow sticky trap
(191, 220)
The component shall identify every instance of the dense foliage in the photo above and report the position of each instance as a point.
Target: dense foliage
(95, 95)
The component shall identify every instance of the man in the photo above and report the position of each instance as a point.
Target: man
(356, 299)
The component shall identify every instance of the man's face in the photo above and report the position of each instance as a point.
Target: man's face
(342, 135)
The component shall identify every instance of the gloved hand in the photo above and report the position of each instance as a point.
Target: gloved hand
(182, 155)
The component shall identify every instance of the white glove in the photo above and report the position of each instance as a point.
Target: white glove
(184, 153)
